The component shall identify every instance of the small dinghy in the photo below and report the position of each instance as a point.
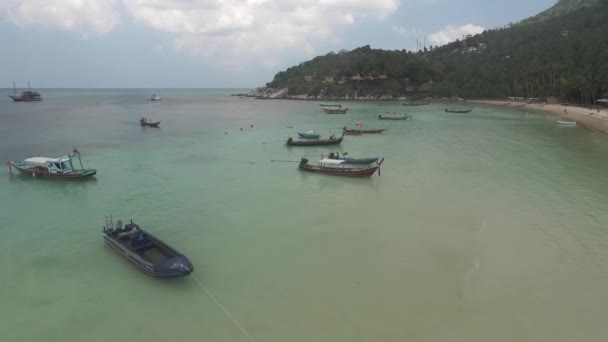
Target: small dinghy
(309, 135)
(144, 250)
(566, 123)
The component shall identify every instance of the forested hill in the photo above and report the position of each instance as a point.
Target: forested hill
(561, 52)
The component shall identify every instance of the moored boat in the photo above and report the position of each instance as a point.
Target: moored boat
(61, 167)
(149, 253)
(154, 97)
(145, 123)
(457, 110)
(315, 142)
(335, 110)
(309, 135)
(336, 167)
(394, 116)
(415, 104)
(330, 105)
(363, 131)
(27, 95)
(566, 123)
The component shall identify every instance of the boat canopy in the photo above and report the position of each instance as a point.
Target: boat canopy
(331, 161)
(41, 161)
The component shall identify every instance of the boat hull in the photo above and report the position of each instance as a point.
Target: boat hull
(458, 111)
(324, 142)
(364, 131)
(335, 111)
(150, 124)
(22, 99)
(405, 117)
(42, 172)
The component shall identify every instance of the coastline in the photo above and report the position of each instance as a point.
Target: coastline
(593, 119)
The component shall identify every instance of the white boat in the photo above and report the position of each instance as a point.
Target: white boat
(155, 97)
(566, 123)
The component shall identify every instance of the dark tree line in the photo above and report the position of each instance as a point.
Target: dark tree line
(563, 55)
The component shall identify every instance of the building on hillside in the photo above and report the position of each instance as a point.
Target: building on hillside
(309, 78)
(328, 80)
(383, 77)
(357, 77)
(369, 77)
(342, 80)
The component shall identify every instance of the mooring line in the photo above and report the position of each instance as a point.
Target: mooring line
(223, 309)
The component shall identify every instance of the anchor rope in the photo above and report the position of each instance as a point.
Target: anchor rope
(212, 296)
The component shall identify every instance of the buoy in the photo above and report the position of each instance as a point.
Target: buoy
(34, 174)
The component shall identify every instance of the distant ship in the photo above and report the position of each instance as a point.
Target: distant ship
(154, 97)
(26, 96)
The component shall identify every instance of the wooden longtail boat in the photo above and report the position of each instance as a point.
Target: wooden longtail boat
(315, 142)
(336, 168)
(146, 251)
(335, 110)
(394, 116)
(62, 167)
(145, 123)
(414, 104)
(457, 110)
(364, 131)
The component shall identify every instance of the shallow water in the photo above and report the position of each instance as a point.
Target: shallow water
(489, 226)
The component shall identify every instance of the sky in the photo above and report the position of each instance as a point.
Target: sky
(218, 43)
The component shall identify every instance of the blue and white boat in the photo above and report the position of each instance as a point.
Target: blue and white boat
(309, 135)
(146, 251)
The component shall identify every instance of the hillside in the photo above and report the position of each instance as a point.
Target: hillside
(561, 52)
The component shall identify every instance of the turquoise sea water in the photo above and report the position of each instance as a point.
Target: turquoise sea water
(489, 226)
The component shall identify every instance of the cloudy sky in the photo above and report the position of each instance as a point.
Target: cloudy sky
(218, 43)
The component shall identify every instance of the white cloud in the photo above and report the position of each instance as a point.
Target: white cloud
(451, 33)
(236, 31)
(95, 16)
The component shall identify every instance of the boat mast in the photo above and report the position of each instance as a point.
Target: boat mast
(14, 88)
(28, 86)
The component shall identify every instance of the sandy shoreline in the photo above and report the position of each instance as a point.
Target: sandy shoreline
(589, 118)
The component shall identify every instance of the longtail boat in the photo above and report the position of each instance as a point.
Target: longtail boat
(457, 110)
(394, 116)
(149, 253)
(309, 135)
(315, 142)
(415, 103)
(335, 110)
(145, 123)
(61, 167)
(330, 105)
(364, 131)
(336, 168)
